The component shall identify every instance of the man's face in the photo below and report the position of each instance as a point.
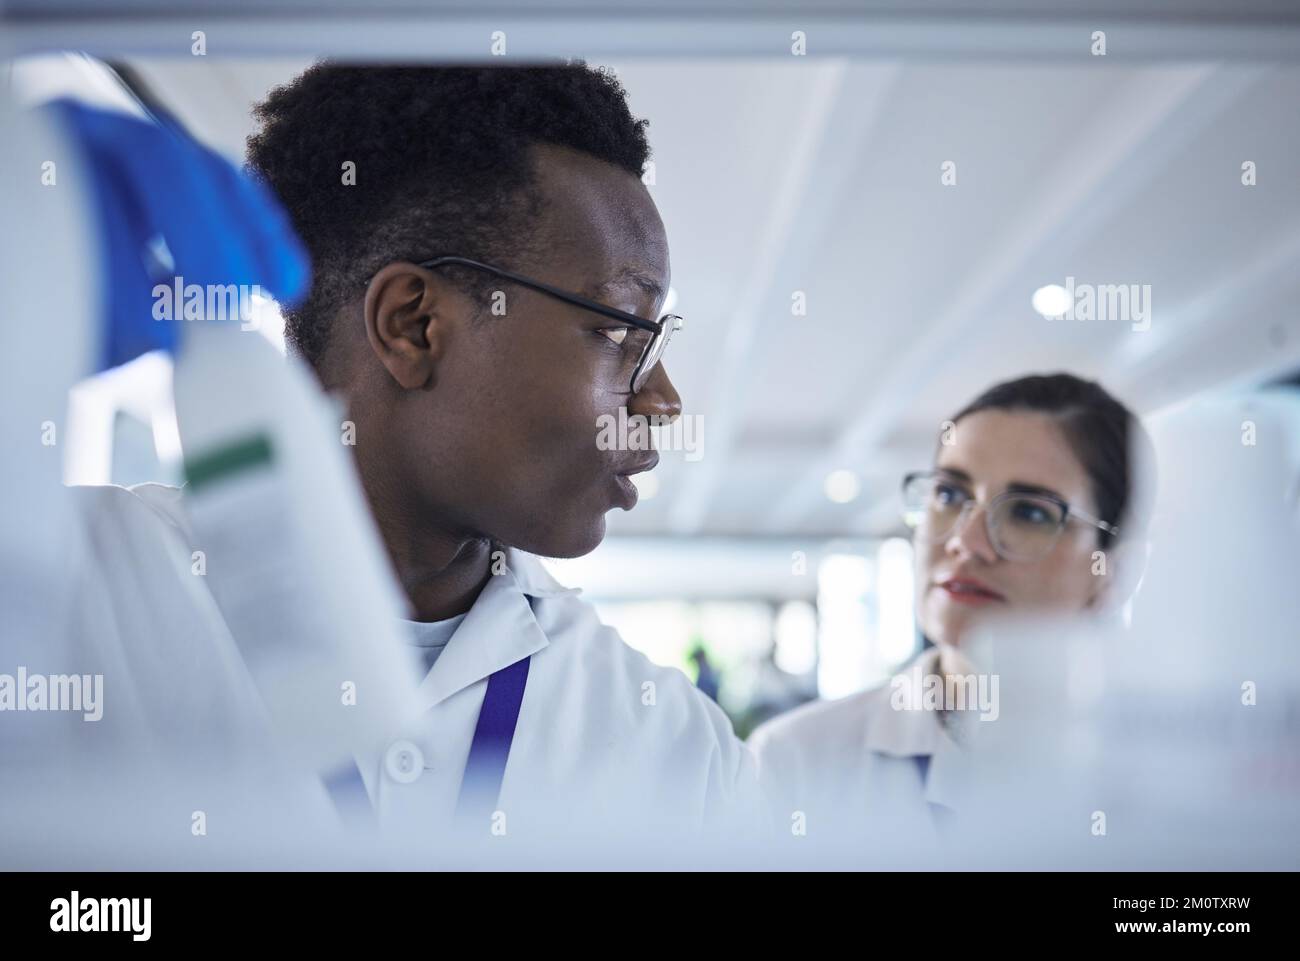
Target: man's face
(502, 439)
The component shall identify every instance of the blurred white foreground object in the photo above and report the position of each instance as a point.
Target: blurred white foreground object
(1171, 744)
(291, 552)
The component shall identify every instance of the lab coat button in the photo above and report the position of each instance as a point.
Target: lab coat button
(404, 762)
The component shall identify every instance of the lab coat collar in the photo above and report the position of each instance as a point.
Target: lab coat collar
(920, 733)
(534, 579)
(905, 733)
(499, 630)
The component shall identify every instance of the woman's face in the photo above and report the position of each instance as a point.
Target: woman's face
(960, 577)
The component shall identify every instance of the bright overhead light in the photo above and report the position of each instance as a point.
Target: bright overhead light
(842, 486)
(1051, 301)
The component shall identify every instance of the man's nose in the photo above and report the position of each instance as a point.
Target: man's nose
(970, 535)
(657, 397)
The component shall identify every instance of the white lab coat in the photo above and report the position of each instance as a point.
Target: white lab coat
(848, 768)
(606, 740)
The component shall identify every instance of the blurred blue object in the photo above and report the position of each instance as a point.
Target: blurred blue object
(169, 207)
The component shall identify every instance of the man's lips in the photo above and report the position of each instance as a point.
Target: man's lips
(640, 466)
(627, 492)
(967, 590)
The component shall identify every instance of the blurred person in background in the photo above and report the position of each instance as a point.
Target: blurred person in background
(1029, 507)
(706, 675)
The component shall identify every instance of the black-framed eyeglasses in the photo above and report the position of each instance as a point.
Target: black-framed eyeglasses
(1022, 525)
(648, 348)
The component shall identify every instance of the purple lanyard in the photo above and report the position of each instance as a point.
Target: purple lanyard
(489, 751)
(493, 735)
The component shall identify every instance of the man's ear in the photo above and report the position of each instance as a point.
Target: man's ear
(406, 314)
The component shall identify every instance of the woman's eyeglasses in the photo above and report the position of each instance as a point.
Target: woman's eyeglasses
(1022, 526)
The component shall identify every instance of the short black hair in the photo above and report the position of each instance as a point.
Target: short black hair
(1108, 439)
(442, 166)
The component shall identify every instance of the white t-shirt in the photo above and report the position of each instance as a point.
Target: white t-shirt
(432, 637)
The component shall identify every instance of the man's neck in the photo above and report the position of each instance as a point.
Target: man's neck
(441, 567)
(441, 576)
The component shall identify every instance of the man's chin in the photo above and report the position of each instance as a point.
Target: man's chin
(573, 542)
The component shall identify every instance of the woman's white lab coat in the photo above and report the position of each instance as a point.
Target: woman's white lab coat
(856, 767)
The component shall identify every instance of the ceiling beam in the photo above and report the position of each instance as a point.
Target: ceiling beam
(387, 31)
(842, 108)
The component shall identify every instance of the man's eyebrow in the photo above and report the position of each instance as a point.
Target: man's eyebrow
(955, 474)
(636, 276)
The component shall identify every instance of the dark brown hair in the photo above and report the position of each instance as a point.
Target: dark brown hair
(1103, 433)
